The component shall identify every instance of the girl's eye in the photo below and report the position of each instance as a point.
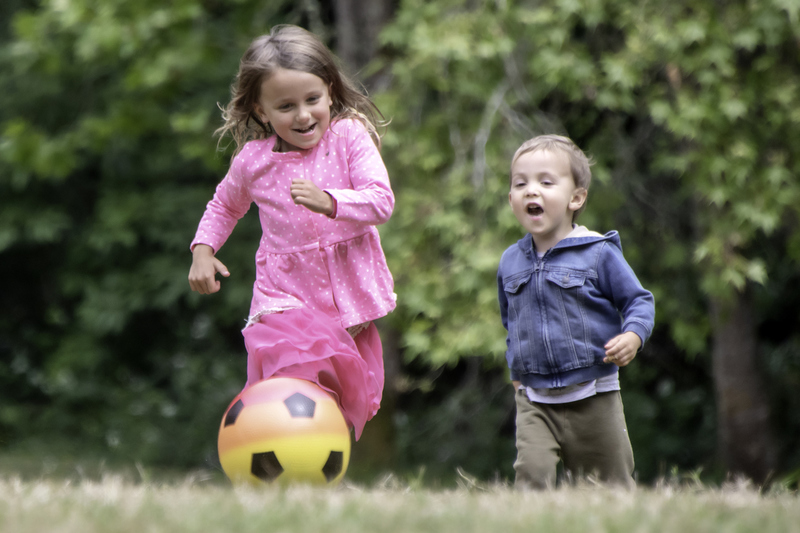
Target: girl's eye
(313, 99)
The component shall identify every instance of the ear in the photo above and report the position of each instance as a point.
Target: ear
(578, 198)
(260, 113)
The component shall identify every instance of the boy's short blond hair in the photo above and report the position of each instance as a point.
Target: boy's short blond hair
(579, 162)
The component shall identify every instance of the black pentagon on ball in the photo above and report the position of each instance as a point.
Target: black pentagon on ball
(233, 413)
(265, 466)
(333, 466)
(300, 406)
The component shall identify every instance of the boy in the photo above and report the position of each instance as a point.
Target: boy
(575, 312)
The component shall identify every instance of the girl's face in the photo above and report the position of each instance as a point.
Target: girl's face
(297, 105)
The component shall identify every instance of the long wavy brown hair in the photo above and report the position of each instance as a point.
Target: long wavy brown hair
(291, 47)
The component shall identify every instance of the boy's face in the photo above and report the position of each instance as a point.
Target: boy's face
(544, 197)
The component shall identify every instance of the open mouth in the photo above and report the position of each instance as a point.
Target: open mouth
(306, 130)
(534, 210)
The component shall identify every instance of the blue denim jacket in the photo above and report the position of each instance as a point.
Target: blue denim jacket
(562, 309)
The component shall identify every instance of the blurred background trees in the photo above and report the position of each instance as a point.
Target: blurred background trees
(107, 159)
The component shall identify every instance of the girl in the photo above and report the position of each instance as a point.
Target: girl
(307, 155)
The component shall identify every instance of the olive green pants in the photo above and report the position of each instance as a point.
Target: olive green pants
(589, 436)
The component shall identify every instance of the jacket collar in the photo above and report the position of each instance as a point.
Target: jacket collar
(579, 236)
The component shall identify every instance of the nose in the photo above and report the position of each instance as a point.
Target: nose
(303, 114)
(532, 189)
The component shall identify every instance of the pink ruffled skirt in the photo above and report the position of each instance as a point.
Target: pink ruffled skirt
(307, 344)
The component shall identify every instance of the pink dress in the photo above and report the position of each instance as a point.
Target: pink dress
(315, 275)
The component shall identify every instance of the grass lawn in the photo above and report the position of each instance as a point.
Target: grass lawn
(202, 503)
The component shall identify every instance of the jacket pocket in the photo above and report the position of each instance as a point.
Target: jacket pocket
(520, 296)
(514, 284)
(570, 335)
(566, 279)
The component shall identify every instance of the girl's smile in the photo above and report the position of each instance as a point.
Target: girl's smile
(297, 105)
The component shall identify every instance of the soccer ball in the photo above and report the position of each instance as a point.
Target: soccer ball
(284, 430)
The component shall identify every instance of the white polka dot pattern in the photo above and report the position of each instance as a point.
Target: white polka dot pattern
(306, 259)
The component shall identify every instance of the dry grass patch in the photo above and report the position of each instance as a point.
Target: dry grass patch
(114, 504)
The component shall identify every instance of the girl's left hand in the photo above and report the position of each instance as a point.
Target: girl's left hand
(622, 349)
(307, 194)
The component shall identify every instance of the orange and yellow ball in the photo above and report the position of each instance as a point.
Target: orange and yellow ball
(284, 430)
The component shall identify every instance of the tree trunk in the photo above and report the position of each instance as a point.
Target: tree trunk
(358, 23)
(744, 439)
(376, 451)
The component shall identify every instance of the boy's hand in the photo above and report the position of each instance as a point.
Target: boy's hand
(306, 193)
(622, 349)
(204, 269)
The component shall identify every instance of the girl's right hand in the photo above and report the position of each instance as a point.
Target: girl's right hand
(204, 269)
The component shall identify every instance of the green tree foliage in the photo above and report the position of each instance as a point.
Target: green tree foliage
(689, 110)
(107, 159)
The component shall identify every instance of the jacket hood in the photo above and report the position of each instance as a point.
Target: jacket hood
(579, 236)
